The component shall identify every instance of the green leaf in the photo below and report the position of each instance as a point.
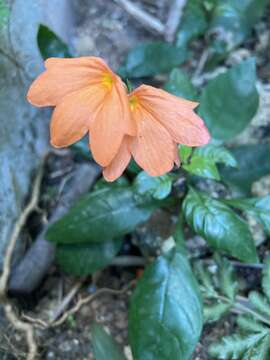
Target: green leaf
(227, 282)
(50, 45)
(204, 159)
(218, 154)
(165, 316)
(104, 346)
(85, 259)
(185, 153)
(152, 58)
(215, 283)
(258, 207)
(206, 280)
(249, 325)
(260, 303)
(179, 84)
(219, 226)
(229, 102)
(157, 186)
(266, 277)
(214, 312)
(232, 22)
(193, 23)
(235, 346)
(121, 182)
(201, 166)
(253, 163)
(100, 215)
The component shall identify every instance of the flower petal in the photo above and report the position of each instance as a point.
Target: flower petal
(153, 148)
(64, 76)
(119, 163)
(175, 114)
(91, 62)
(111, 123)
(72, 118)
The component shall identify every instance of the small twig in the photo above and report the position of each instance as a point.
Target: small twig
(24, 327)
(206, 76)
(35, 321)
(66, 301)
(88, 299)
(237, 264)
(128, 261)
(147, 20)
(201, 64)
(82, 301)
(245, 265)
(174, 19)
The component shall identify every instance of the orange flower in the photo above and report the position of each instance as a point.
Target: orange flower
(163, 121)
(88, 96)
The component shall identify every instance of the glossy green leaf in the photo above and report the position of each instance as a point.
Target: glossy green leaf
(50, 45)
(222, 228)
(229, 102)
(179, 84)
(258, 207)
(152, 58)
(104, 346)
(165, 316)
(100, 215)
(201, 166)
(85, 259)
(232, 22)
(253, 163)
(157, 186)
(193, 23)
(204, 160)
(218, 154)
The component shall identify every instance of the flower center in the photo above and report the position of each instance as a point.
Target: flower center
(133, 102)
(107, 80)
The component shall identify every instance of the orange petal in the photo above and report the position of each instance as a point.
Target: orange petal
(153, 148)
(71, 118)
(112, 122)
(152, 94)
(175, 114)
(119, 163)
(64, 76)
(90, 62)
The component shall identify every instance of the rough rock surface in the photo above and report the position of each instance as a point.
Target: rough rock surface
(23, 131)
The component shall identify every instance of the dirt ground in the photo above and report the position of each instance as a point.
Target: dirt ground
(104, 29)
